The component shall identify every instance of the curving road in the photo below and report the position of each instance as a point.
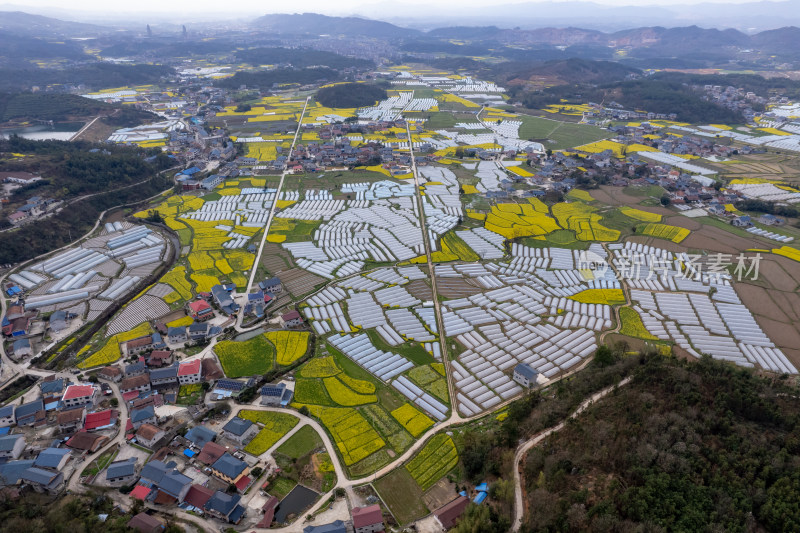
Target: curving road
(519, 504)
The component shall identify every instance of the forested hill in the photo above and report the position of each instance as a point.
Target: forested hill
(701, 446)
(60, 107)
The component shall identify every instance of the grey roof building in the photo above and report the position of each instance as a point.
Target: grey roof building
(229, 466)
(53, 458)
(11, 472)
(121, 471)
(153, 471)
(144, 415)
(225, 506)
(175, 484)
(42, 479)
(200, 435)
(164, 376)
(334, 527)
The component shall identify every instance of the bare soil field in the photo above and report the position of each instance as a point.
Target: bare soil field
(455, 288)
(299, 282)
(420, 289)
(607, 194)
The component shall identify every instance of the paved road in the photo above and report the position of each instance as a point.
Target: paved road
(272, 211)
(74, 483)
(454, 416)
(519, 504)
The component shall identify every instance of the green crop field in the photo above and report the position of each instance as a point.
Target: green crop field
(275, 426)
(301, 443)
(247, 358)
(564, 134)
(436, 459)
(402, 495)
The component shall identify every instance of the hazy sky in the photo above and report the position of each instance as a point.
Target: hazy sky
(190, 8)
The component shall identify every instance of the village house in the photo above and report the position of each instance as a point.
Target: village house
(146, 415)
(225, 507)
(368, 519)
(200, 310)
(99, 420)
(12, 446)
(275, 395)
(52, 459)
(148, 435)
(525, 375)
(159, 358)
(239, 430)
(110, 373)
(87, 442)
(43, 480)
(139, 345)
(122, 472)
(135, 369)
(145, 523)
(7, 416)
(164, 377)
(79, 395)
(292, 319)
(71, 420)
(140, 383)
(190, 372)
(177, 335)
(30, 413)
(200, 436)
(229, 469)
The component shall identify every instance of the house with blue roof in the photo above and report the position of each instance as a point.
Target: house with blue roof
(200, 435)
(146, 415)
(334, 527)
(11, 472)
(225, 507)
(7, 417)
(12, 446)
(525, 375)
(42, 480)
(224, 300)
(153, 471)
(175, 484)
(121, 472)
(164, 376)
(29, 413)
(52, 459)
(229, 468)
(239, 430)
(276, 395)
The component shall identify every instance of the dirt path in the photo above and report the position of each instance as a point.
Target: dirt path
(519, 504)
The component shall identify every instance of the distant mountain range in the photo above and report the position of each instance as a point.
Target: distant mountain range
(640, 47)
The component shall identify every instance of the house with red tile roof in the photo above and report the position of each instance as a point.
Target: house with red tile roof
(198, 495)
(200, 310)
(79, 396)
(210, 453)
(100, 420)
(449, 514)
(368, 519)
(190, 372)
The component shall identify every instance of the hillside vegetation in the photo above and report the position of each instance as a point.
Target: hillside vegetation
(701, 446)
(350, 95)
(268, 78)
(299, 57)
(60, 107)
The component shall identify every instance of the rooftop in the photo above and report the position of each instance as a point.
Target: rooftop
(78, 391)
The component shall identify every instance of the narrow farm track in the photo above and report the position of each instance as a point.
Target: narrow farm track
(272, 211)
(519, 504)
(454, 416)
